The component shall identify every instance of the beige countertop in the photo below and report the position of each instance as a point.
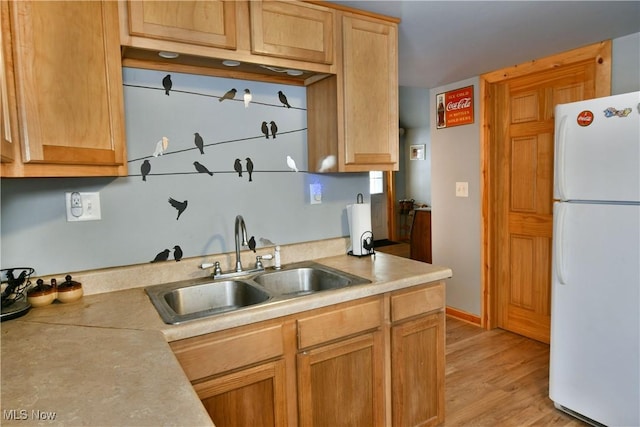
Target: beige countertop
(104, 360)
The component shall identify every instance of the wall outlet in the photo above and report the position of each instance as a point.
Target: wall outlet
(82, 206)
(315, 194)
(462, 189)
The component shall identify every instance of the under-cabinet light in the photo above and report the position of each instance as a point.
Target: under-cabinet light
(168, 55)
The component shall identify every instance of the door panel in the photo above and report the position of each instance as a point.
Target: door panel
(525, 175)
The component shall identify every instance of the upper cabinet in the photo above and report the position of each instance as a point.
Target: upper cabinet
(206, 23)
(292, 30)
(263, 38)
(68, 85)
(353, 116)
(8, 113)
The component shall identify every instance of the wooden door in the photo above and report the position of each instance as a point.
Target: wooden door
(525, 107)
(341, 384)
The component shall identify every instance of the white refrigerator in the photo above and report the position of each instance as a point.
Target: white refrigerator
(595, 299)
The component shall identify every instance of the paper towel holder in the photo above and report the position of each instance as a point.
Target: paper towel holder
(366, 243)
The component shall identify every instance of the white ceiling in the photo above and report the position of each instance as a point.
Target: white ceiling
(442, 42)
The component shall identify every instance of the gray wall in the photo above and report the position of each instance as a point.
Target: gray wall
(456, 221)
(625, 64)
(137, 220)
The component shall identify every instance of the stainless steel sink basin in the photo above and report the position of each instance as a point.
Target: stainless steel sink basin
(177, 303)
(305, 280)
(190, 300)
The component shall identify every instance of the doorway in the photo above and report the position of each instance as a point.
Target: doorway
(517, 156)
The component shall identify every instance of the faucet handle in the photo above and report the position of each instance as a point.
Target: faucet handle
(216, 267)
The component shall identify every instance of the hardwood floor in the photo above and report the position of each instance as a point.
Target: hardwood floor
(495, 378)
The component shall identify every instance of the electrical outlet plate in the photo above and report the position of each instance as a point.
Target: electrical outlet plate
(82, 206)
(315, 193)
(462, 189)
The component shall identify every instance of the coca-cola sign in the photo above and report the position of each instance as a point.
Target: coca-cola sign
(454, 108)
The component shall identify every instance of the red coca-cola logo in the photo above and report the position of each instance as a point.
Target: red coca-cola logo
(459, 104)
(585, 118)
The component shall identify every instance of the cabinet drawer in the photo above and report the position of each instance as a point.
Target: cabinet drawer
(339, 323)
(415, 302)
(205, 356)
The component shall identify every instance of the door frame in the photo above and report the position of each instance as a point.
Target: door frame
(597, 52)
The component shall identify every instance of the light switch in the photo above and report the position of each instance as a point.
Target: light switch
(462, 189)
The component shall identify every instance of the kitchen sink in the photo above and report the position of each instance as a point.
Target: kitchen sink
(178, 303)
(201, 298)
(305, 280)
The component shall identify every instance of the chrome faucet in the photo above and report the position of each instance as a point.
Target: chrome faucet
(240, 228)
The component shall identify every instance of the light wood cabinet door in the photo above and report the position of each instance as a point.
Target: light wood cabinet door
(342, 384)
(69, 88)
(352, 117)
(370, 71)
(207, 23)
(292, 30)
(417, 371)
(251, 397)
(8, 121)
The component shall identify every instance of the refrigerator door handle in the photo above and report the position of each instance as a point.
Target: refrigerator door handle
(561, 137)
(558, 257)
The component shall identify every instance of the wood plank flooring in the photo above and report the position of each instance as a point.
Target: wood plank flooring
(495, 378)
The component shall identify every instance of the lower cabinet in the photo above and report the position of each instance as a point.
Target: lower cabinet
(249, 397)
(417, 371)
(417, 356)
(372, 362)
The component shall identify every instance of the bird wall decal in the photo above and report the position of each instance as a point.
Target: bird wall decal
(327, 163)
(252, 244)
(283, 98)
(237, 166)
(145, 168)
(162, 256)
(167, 84)
(292, 164)
(249, 168)
(202, 169)
(180, 206)
(177, 253)
(247, 98)
(229, 95)
(199, 142)
(265, 129)
(161, 146)
(274, 129)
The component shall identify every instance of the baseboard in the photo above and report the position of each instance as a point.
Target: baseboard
(463, 315)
